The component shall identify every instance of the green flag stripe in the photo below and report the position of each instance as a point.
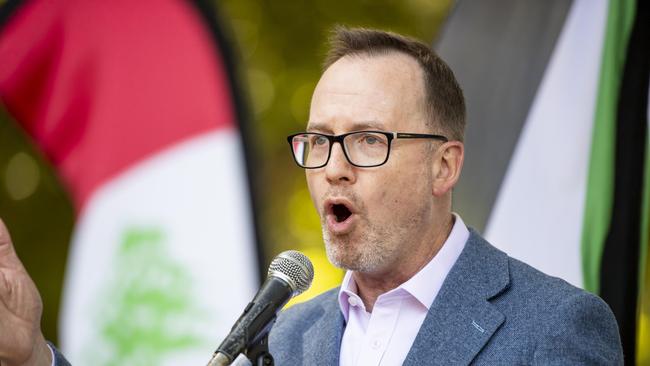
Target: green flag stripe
(600, 182)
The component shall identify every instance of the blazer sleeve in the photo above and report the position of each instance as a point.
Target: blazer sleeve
(583, 331)
(59, 360)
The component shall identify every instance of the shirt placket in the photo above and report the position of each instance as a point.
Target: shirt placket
(378, 334)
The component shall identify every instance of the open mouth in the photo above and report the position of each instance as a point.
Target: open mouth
(341, 215)
(341, 212)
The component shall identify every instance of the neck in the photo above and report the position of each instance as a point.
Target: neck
(371, 285)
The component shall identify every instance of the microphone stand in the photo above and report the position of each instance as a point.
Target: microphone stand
(259, 354)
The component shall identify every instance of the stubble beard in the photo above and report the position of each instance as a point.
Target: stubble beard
(375, 247)
(367, 251)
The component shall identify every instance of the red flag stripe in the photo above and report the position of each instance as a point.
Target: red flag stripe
(98, 93)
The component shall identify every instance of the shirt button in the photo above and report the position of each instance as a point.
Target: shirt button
(353, 301)
(376, 344)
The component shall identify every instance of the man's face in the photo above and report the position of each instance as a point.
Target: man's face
(372, 217)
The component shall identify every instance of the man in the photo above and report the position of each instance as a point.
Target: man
(421, 288)
(383, 150)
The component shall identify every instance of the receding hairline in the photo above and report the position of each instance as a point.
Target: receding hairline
(443, 97)
(375, 54)
(416, 71)
(402, 58)
(418, 68)
(341, 44)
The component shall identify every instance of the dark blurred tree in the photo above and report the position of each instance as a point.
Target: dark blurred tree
(38, 213)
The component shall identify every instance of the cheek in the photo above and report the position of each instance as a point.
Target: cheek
(405, 188)
(394, 193)
(315, 189)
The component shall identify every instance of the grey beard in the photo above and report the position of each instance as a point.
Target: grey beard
(367, 255)
(376, 247)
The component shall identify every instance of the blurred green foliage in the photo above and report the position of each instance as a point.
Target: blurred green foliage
(280, 45)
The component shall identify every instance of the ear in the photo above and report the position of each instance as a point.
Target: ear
(447, 164)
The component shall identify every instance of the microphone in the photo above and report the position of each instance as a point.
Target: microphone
(290, 274)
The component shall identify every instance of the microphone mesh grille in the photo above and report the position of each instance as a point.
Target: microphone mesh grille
(296, 267)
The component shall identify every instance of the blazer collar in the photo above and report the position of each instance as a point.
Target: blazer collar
(323, 338)
(461, 320)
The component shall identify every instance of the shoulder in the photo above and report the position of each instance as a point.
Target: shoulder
(303, 329)
(527, 280)
(302, 315)
(552, 320)
(552, 293)
(294, 321)
(567, 323)
(574, 325)
(527, 286)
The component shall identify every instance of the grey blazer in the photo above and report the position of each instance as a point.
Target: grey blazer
(491, 310)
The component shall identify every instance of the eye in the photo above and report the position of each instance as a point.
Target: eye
(370, 139)
(320, 140)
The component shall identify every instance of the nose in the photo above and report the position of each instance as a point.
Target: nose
(338, 169)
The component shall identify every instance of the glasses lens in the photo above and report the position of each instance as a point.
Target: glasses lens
(310, 149)
(366, 148)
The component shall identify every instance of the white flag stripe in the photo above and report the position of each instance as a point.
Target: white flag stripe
(196, 193)
(539, 210)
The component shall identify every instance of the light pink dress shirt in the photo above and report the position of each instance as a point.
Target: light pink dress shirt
(384, 337)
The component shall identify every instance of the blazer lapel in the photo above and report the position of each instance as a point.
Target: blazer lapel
(461, 320)
(322, 341)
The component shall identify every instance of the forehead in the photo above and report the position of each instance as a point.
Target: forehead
(369, 91)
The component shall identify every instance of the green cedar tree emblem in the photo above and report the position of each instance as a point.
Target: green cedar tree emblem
(147, 309)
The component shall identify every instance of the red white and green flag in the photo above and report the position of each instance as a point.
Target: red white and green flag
(134, 105)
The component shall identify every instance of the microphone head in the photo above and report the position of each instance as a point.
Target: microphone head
(294, 268)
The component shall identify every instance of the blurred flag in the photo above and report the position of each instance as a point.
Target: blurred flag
(133, 103)
(557, 159)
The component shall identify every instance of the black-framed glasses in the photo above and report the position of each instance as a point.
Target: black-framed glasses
(364, 149)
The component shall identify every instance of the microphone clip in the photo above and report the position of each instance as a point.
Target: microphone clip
(259, 353)
(256, 355)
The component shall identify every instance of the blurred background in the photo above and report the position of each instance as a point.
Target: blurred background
(131, 207)
(277, 48)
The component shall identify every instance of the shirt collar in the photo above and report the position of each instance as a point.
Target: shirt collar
(348, 290)
(425, 284)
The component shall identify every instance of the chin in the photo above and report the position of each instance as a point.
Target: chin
(340, 253)
(345, 257)
(359, 253)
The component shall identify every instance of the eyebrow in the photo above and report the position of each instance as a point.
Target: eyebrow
(356, 126)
